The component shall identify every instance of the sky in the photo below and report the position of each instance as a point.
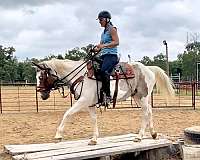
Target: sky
(38, 28)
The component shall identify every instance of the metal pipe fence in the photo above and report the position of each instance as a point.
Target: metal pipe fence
(25, 98)
(185, 97)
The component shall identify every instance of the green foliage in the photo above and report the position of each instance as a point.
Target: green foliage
(176, 67)
(185, 64)
(188, 61)
(78, 53)
(193, 47)
(11, 70)
(146, 61)
(25, 71)
(60, 56)
(75, 54)
(8, 64)
(160, 60)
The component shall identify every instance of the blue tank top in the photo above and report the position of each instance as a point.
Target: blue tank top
(107, 38)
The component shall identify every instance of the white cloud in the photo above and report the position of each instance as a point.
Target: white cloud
(38, 28)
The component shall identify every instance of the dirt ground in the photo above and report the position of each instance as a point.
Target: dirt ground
(24, 128)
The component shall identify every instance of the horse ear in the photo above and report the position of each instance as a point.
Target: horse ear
(38, 66)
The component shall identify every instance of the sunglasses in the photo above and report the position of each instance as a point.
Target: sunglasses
(101, 19)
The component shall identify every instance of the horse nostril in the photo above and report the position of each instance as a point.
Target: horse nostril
(45, 95)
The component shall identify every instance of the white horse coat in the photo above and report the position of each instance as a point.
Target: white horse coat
(142, 85)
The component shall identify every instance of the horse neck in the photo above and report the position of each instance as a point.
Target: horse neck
(63, 68)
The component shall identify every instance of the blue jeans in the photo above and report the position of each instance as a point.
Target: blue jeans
(109, 62)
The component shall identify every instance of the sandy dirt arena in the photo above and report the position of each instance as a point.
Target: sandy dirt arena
(24, 128)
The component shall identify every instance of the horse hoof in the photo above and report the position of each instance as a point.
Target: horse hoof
(59, 138)
(137, 139)
(154, 135)
(92, 142)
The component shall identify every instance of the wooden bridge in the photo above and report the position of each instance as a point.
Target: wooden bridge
(106, 148)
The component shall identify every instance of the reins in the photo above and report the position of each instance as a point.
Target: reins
(88, 58)
(59, 83)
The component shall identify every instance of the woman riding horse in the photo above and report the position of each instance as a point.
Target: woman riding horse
(108, 50)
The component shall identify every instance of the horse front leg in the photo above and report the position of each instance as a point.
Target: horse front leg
(81, 103)
(92, 112)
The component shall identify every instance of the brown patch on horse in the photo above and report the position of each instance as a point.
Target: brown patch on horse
(142, 89)
(46, 81)
(90, 70)
(43, 78)
(124, 70)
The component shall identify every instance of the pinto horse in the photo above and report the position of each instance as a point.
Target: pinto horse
(50, 72)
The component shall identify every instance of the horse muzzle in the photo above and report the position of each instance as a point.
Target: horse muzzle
(45, 95)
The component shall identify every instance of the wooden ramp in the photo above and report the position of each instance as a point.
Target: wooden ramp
(80, 149)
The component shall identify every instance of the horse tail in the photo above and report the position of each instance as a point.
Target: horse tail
(163, 83)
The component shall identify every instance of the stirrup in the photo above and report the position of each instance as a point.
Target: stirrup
(106, 100)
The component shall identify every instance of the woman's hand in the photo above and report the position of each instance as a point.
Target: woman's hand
(96, 48)
(100, 46)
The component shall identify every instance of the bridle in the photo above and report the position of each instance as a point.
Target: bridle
(50, 81)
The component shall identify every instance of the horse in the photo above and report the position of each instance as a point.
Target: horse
(49, 72)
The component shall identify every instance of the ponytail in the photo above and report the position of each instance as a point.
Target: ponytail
(108, 22)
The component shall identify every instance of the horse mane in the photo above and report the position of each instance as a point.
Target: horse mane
(53, 63)
(60, 65)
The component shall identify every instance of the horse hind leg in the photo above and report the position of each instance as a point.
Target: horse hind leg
(140, 103)
(151, 127)
(146, 118)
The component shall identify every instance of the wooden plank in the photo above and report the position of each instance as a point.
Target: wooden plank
(80, 149)
(191, 152)
(85, 148)
(17, 149)
(98, 150)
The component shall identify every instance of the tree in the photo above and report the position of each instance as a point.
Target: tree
(193, 47)
(176, 67)
(25, 71)
(29, 72)
(75, 54)
(60, 56)
(160, 61)
(78, 53)
(8, 64)
(146, 61)
(188, 60)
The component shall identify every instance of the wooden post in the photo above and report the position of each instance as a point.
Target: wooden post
(152, 99)
(54, 102)
(18, 98)
(36, 98)
(1, 107)
(71, 99)
(193, 95)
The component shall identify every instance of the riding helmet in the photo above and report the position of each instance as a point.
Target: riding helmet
(104, 14)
